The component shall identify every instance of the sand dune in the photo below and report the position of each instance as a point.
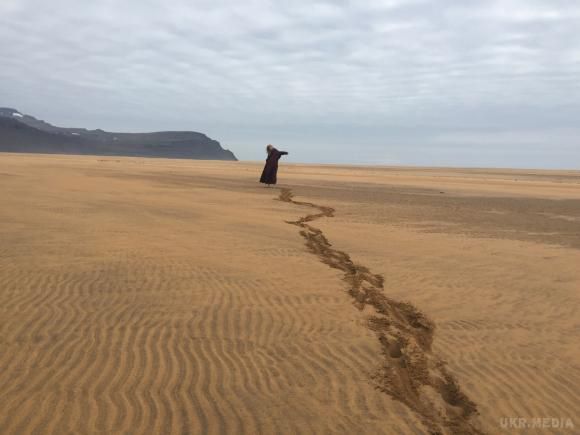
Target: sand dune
(163, 296)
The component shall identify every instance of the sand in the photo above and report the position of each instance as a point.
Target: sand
(151, 296)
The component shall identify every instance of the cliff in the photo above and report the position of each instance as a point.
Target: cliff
(26, 134)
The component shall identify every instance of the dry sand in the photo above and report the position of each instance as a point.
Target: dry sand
(163, 296)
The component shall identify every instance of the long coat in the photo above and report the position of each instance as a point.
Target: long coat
(271, 169)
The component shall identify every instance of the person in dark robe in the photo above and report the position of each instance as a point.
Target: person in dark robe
(269, 174)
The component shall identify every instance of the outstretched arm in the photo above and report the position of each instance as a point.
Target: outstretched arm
(283, 153)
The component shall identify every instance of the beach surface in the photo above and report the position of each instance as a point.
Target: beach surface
(156, 296)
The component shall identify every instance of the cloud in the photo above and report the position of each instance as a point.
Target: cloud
(264, 71)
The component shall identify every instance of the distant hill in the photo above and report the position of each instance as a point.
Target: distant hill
(20, 133)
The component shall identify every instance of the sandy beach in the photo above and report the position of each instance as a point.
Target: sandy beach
(157, 296)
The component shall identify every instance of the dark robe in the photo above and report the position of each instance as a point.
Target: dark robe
(271, 169)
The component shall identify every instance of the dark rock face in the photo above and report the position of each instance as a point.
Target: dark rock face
(26, 134)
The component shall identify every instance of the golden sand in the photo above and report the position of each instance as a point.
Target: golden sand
(151, 296)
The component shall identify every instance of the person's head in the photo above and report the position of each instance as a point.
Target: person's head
(269, 148)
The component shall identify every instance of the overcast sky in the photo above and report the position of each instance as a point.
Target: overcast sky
(439, 82)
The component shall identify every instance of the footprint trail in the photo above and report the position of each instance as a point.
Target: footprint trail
(410, 373)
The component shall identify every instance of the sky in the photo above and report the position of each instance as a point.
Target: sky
(391, 82)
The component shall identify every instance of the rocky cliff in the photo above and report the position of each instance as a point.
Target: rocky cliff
(24, 133)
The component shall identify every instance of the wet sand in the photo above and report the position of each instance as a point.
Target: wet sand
(167, 296)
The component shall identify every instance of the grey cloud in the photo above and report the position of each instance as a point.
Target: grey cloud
(377, 81)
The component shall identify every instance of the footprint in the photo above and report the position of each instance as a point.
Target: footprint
(405, 335)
